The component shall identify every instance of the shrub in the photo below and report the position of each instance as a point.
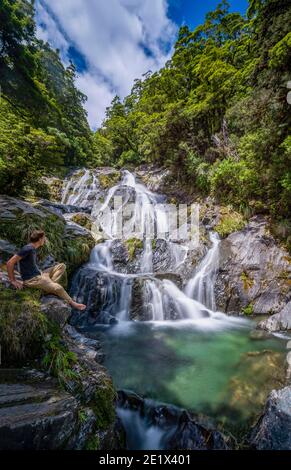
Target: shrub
(229, 221)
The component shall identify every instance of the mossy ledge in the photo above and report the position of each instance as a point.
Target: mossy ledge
(18, 218)
(33, 344)
(68, 379)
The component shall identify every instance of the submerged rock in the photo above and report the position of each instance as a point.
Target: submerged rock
(193, 436)
(273, 430)
(254, 272)
(258, 372)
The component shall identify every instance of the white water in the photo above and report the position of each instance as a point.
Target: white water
(78, 190)
(201, 286)
(149, 217)
(140, 435)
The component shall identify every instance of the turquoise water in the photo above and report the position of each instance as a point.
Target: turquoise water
(222, 373)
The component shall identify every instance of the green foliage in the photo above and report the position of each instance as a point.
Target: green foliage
(93, 443)
(43, 124)
(22, 325)
(229, 221)
(108, 180)
(104, 403)
(248, 310)
(83, 220)
(58, 360)
(217, 112)
(69, 248)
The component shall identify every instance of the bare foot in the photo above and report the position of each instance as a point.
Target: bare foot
(78, 306)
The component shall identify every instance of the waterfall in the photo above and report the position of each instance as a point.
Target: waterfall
(140, 435)
(77, 190)
(201, 286)
(109, 292)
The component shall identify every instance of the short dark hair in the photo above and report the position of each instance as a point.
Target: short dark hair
(36, 235)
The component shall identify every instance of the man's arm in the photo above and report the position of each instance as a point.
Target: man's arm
(10, 270)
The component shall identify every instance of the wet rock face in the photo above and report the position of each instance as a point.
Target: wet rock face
(180, 429)
(273, 430)
(99, 292)
(62, 209)
(254, 272)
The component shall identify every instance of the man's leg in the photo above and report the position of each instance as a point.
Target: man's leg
(56, 272)
(45, 283)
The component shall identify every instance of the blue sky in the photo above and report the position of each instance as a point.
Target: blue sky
(113, 42)
(192, 12)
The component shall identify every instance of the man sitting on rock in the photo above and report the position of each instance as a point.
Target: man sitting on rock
(31, 275)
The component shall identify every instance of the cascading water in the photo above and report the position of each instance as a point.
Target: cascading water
(147, 218)
(201, 286)
(78, 190)
(183, 351)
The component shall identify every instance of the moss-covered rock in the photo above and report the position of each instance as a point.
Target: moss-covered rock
(19, 218)
(23, 326)
(109, 179)
(133, 244)
(82, 219)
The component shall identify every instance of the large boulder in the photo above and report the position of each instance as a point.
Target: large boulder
(254, 272)
(6, 251)
(67, 242)
(279, 322)
(56, 309)
(273, 430)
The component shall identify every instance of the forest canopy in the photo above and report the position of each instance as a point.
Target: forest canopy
(43, 124)
(217, 113)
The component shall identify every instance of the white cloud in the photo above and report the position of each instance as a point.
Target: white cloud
(113, 36)
(99, 95)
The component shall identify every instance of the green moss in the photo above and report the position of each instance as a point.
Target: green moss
(132, 245)
(109, 180)
(248, 310)
(70, 249)
(229, 221)
(83, 220)
(58, 360)
(22, 325)
(93, 443)
(76, 251)
(82, 416)
(18, 230)
(247, 281)
(103, 403)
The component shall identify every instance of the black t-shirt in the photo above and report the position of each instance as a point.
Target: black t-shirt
(28, 265)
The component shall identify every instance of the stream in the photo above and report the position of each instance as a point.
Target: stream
(154, 313)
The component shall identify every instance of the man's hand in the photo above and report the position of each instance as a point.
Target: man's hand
(17, 284)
